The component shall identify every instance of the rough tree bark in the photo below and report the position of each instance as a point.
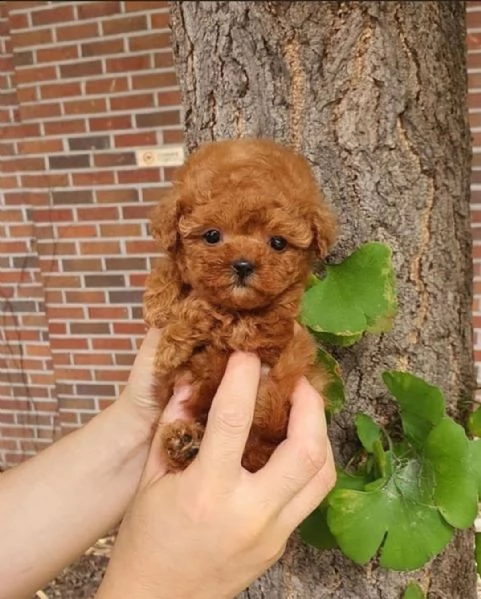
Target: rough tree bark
(373, 93)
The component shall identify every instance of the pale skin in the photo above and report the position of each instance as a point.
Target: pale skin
(205, 532)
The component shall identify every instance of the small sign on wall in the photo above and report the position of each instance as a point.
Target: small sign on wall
(169, 155)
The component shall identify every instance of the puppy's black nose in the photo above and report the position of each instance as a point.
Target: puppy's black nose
(243, 268)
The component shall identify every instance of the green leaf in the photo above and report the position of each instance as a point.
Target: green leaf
(474, 423)
(337, 340)
(355, 296)
(334, 391)
(474, 449)
(477, 546)
(358, 520)
(391, 516)
(413, 591)
(422, 405)
(455, 488)
(315, 531)
(367, 431)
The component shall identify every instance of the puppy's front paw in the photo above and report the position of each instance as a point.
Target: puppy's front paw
(181, 441)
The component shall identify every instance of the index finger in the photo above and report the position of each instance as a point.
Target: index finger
(303, 454)
(230, 418)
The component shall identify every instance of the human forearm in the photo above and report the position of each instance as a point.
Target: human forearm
(55, 505)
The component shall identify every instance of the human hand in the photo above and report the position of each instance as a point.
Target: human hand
(212, 529)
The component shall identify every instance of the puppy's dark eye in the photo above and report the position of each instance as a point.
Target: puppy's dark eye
(212, 236)
(278, 243)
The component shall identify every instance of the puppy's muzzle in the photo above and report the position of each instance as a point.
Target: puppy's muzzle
(243, 269)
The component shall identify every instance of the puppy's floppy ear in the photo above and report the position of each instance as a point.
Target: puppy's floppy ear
(324, 228)
(163, 222)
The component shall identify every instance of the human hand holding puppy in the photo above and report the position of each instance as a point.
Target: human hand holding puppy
(212, 529)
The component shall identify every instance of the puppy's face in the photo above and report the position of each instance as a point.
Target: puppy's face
(244, 222)
(241, 251)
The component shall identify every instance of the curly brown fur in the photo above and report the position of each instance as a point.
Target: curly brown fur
(249, 190)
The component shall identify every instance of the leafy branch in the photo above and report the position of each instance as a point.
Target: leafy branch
(402, 496)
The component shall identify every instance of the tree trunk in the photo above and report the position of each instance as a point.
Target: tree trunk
(373, 93)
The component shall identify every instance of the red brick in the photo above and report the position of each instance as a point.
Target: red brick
(98, 213)
(154, 80)
(65, 126)
(93, 359)
(56, 14)
(48, 181)
(129, 230)
(108, 312)
(95, 105)
(94, 10)
(89, 142)
(140, 211)
(67, 312)
(69, 374)
(38, 350)
(57, 54)
(60, 90)
(115, 376)
(124, 25)
(40, 146)
(27, 94)
(136, 139)
(111, 343)
(76, 231)
(115, 159)
(18, 20)
(56, 248)
(82, 265)
(32, 37)
(57, 328)
(36, 75)
(145, 100)
(103, 48)
(140, 175)
(55, 281)
(8, 182)
(94, 178)
(99, 248)
(117, 195)
(158, 119)
(138, 280)
(23, 164)
(143, 6)
(159, 20)
(150, 41)
(169, 98)
(141, 247)
(85, 296)
(173, 136)
(52, 215)
(39, 111)
(79, 31)
(112, 85)
(111, 123)
(80, 69)
(128, 63)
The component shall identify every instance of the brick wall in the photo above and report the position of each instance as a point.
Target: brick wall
(82, 86)
(474, 103)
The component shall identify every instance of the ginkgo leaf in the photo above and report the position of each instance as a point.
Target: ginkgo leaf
(421, 404)
(455, 489)
(367, 431)
(413, 591)
(407, 532)
(354, 296)
(474, 423)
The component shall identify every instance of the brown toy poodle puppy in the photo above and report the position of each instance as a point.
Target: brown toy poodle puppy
(239, 231)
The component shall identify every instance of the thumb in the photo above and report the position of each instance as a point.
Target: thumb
(156, 465)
